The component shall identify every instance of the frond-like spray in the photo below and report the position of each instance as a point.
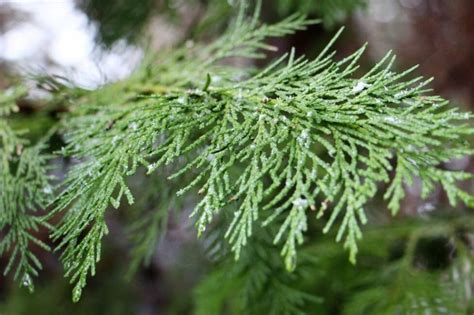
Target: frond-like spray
(24, 189)
(285, 144)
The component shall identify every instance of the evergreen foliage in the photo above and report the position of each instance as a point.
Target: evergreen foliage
(395, 275)
(331, 11)
(257, 283)
(272, 148)
(25, 189)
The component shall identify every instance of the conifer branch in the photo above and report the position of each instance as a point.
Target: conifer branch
(25, 189)
(280, 145)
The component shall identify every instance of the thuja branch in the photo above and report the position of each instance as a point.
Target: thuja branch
(25, 190)
(277, 146)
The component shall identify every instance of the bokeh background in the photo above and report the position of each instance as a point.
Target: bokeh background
(93, 42)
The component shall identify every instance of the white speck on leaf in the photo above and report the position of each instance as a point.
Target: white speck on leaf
(360, 86)
(181, 100)
(47, 190)
(392, 120)
(303, 139)
(151, 167)
(300, 202)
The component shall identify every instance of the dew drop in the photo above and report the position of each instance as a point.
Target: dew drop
(392, 120)
(181, 100)
(401, 94)
(151, 168)
(47, 190)
(303, 139)
(115, 139)
(133, 126)
(360, 86)
(26, 282)
(300, 202)
(239, 94)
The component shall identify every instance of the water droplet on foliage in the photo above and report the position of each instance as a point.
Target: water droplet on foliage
(26, 282)
(360, 86)
(115, 139)
(181, 100)
(401, 94)
(239, 94)
(300, 202)
(392, 120)
(47, 190)
(151, 167)
(202, 229)
(303, 139)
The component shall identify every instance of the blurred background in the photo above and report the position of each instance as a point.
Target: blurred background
(93, 42)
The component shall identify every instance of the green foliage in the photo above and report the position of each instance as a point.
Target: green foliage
(432, 280)
(121, 137)
(257, 283)
(276, 145)
(269, 148)
(25, 189)
(395, 275)
(331, 11)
